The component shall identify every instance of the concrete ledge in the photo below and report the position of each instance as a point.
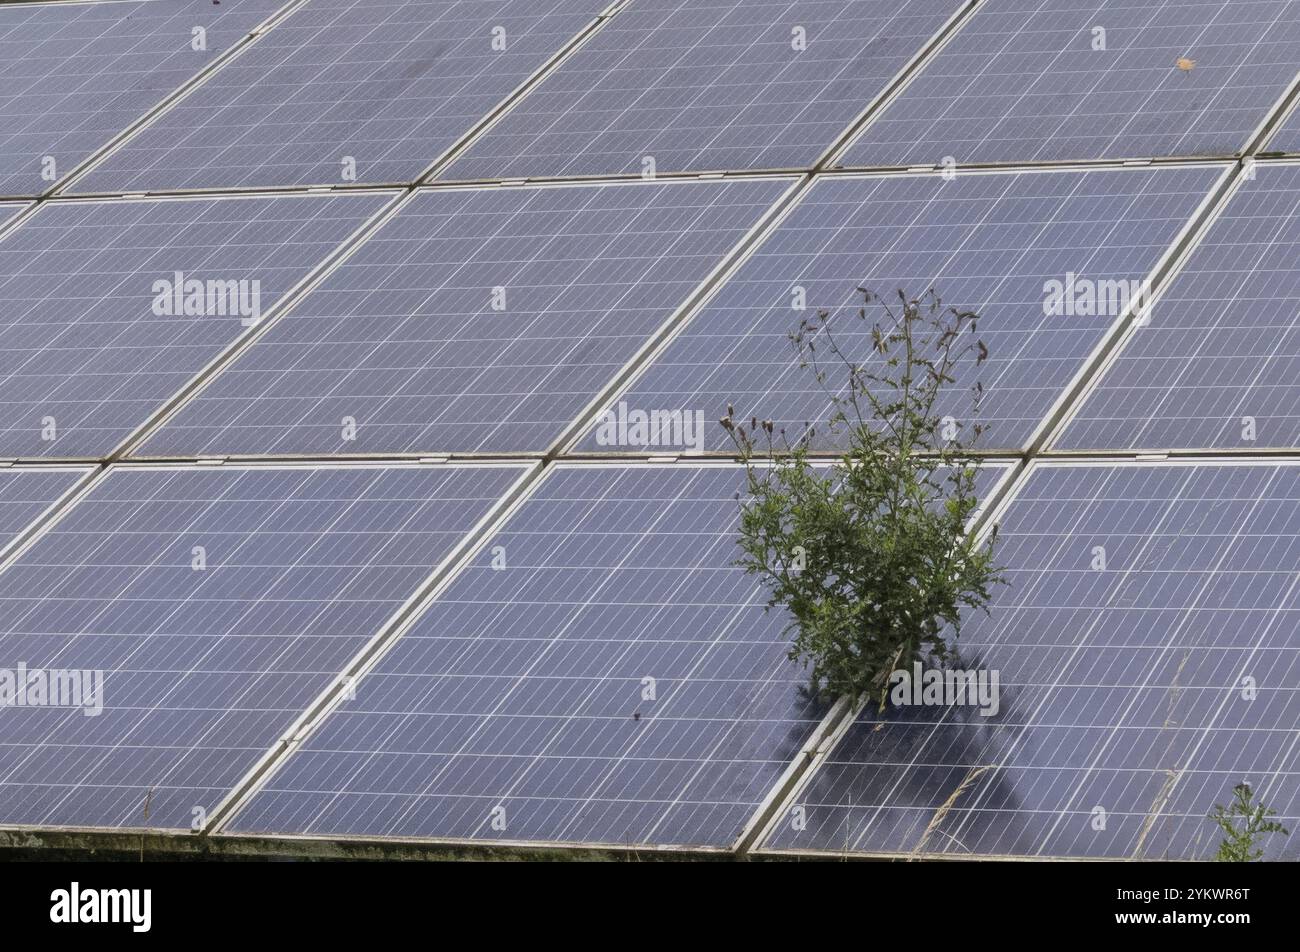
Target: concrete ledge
(114, 845)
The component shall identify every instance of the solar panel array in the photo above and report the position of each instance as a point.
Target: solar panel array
(74, 76)
(307, 527)
(215, 604)
(474, 321)
(97, 333)
(27, 493)
(616, 682)
(698, 85)
(1132, 695)
(1215, 365)
(990, 242)
(1053, 80)
(347, 90)
(601, 673)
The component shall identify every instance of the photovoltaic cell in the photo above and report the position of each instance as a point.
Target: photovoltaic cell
(991, 243)
(1287, 138)
(701, 85)
(1038, 80)
(1216, 365)
(474, 320)
(617, 682)
(217, 605)
(74, 75)
(1121, 681)
(26, 493)
(385, 85)
(9, 211)
(91, 343)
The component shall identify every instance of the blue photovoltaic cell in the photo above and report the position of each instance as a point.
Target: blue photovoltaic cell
(525, 688)
(1141, 599)
(1024, 80)
(1217, 364)
(388, 84)
(475, 320)
(701, 85)
(205, 668)
(1287, 138)
(88, 350)
(8, 211)
(27, 493)
(74, 75)
(988, 243)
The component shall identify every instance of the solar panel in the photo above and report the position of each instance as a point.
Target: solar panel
(1143, 602)
(1287, 138)
(10, 211)
(1038, 80)
(601, 672)
(27, 493)
(347, 90)
(617, 682)
(475, 320)
(1215, 366)
(989, 243)
(208, 609)
(111, 307)
(74, 75)
(699, 85)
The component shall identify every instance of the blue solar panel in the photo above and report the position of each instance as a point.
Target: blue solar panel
(1216, 365)
(475, 320)
(1147, 661)
(989, 243)
(614, 679)
(26, 493)
(93, 338)
(525, 689)
(708, 84)
(387, 84)
(10, 211)
(1035, 80)
(74, 75)
(1287, 138)
(216, 605)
